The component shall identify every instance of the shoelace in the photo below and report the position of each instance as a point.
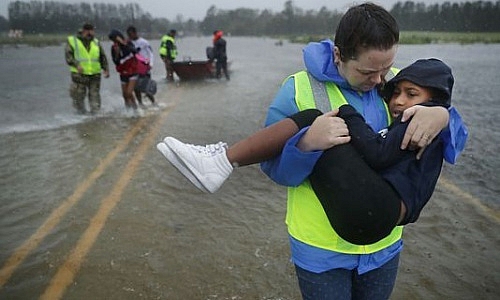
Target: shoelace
(211, 149)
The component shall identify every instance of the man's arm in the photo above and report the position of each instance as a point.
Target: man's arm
(149, 50)
(103, 60)
(422, 129)
(170, 46)
(70, 56)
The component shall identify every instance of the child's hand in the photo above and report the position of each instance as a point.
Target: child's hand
(327, 131)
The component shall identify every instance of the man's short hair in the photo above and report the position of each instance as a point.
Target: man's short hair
(88, 26)
(131, 29)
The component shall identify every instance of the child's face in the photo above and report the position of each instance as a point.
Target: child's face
(407, 94)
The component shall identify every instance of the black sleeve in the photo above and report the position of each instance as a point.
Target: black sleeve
(379, 151)
(169, 46)
(115, 54)
(131, 48)
(306, 117)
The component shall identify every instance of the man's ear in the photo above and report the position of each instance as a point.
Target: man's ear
(336, 54)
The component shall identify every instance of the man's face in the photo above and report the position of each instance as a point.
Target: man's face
(88, 33)
(132, 35)
(368, 69)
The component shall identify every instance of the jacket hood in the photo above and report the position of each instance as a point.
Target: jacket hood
(115, 33)
(429, 73)
(318, 59)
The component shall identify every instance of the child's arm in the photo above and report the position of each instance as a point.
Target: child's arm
(379, 151)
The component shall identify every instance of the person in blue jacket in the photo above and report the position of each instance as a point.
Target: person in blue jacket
(327, 266)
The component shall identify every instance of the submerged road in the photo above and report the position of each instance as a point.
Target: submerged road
(67, 271)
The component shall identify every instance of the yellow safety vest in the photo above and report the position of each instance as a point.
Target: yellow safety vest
(87, 59)
(163, 46)
(305, 218)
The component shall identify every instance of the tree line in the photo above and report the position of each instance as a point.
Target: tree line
(477, 16)
(37, 17)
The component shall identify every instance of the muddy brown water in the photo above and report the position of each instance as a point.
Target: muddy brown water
(92, 200)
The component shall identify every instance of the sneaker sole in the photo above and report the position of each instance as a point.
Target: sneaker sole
(179, 165)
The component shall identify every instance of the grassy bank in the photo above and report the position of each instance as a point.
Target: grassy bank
(425, 37)
(428, 37)
(406, 37)
(35, 40)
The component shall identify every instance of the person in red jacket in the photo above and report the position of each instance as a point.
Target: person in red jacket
(123, 54)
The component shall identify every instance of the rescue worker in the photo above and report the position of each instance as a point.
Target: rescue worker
(347, 70)
(86, 60)
(168, 52)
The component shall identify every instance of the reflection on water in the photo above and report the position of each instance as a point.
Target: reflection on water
(165, 240)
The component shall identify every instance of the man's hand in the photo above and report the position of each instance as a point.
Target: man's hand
(105, 73)
(327, 131)
(80, 69)
(426, 124)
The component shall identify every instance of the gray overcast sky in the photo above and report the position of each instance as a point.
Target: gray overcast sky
(197, 9)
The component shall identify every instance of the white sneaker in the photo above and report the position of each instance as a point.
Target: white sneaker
(176, 162)
(208, 164)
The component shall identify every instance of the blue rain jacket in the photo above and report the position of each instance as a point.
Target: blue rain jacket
(293, 166)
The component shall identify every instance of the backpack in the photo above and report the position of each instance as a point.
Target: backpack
(146, 85)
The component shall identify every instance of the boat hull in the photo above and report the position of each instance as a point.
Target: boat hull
(193, 70)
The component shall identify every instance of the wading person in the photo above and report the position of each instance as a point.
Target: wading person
(145, 51)
(86, 60)
(123, 53)
(168, 52)
(350, 70)
(220, 54)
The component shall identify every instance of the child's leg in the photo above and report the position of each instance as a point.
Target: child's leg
(361, 206)
(269, 141)
(209, 166)
(262, 145)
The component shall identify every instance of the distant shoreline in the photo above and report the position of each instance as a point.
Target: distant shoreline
(406, 37)
(426, 37)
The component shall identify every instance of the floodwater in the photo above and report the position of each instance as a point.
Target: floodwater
(89, 209)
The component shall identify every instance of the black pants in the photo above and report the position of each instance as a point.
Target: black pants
(221, 65)
(361, 206)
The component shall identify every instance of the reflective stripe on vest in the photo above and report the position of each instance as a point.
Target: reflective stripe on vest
(163, 46)
(306, 219)
(87, 59)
